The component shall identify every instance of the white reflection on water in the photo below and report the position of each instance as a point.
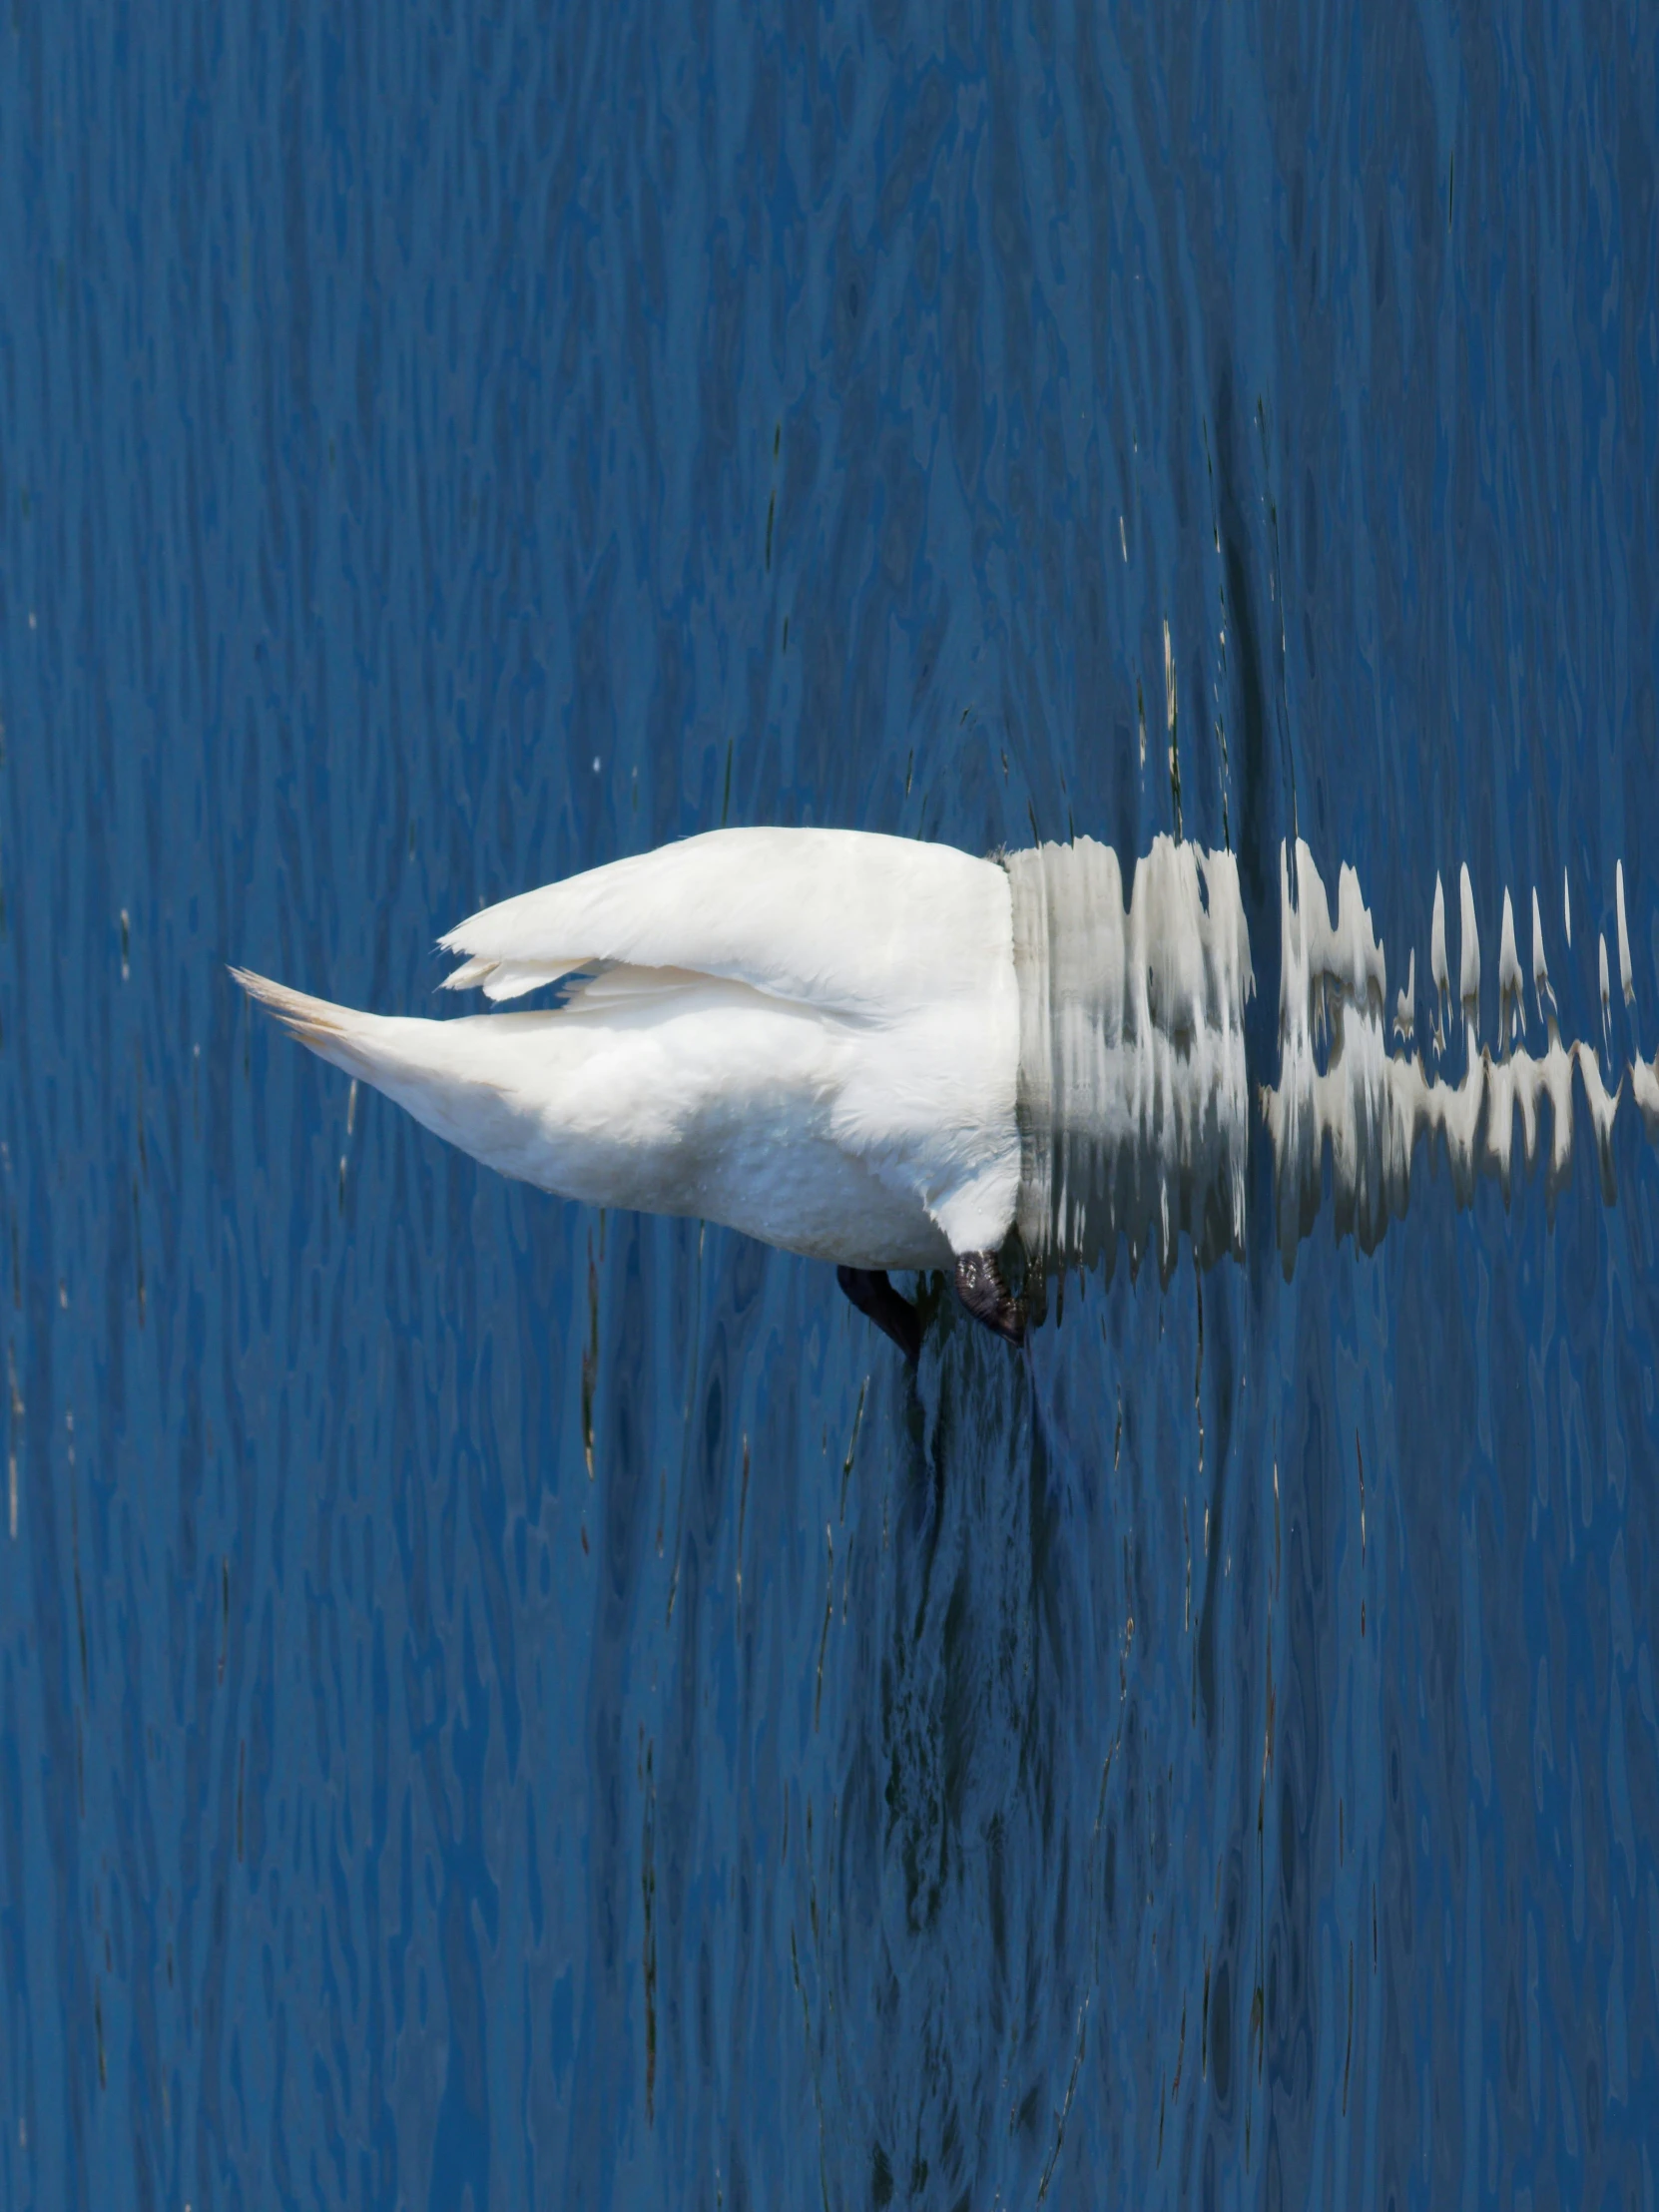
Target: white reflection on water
(1133, 1092)
(1133, 1100)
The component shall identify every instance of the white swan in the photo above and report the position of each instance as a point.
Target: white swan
(872, 1051)
(810, 1036)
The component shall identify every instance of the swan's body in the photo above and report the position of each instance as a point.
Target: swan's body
(810, 1035)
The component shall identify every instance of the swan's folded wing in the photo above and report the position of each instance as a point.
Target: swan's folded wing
(842, 920)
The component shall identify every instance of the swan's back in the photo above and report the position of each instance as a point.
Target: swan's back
(841, 921)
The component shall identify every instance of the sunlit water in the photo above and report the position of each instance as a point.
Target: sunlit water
(506, 1706)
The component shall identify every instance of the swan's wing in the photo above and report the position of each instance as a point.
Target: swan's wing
(839, 920)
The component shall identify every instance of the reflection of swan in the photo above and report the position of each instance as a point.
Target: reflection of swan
(872, 1051)
(1369, 1107)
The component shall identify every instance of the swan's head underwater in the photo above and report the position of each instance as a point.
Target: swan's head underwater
(893, 1055)
(860, 1048)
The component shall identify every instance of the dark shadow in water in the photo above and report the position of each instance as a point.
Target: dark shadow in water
(954, 1853)
(1003, 1807)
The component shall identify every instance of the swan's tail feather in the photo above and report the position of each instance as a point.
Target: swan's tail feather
(453, 1076)
(338, 1034)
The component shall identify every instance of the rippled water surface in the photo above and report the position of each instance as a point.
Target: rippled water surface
(500, 1706)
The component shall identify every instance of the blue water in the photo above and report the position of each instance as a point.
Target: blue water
(503, 1707)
